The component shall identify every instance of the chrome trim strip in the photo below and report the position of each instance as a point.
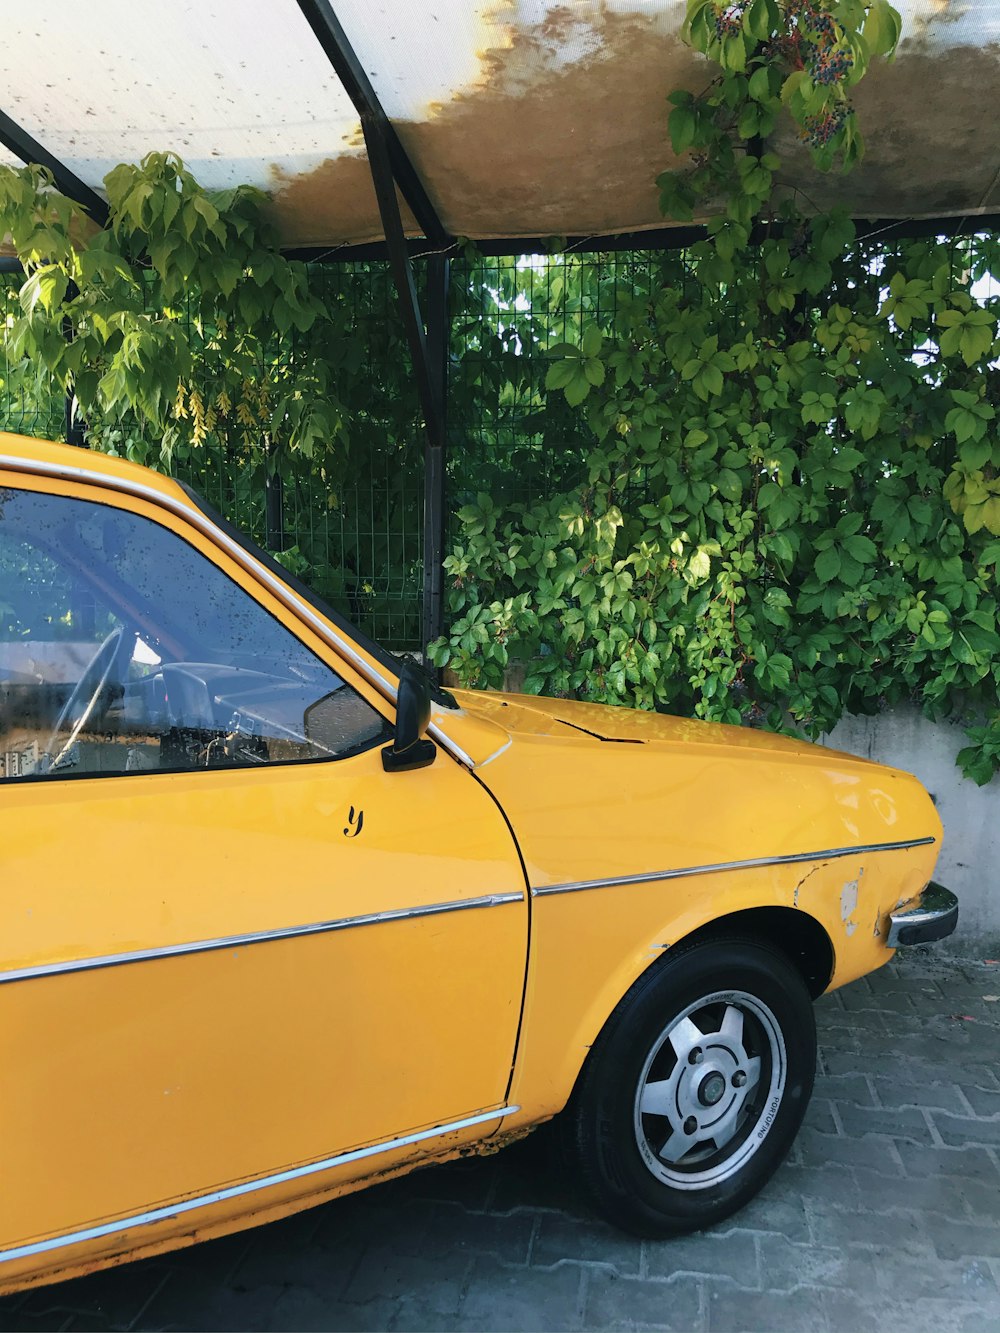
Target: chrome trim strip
(651, 876)
(236, 1191)
(190, 514)
(257, 937)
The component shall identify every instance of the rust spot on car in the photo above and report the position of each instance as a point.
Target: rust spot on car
(488, 1147)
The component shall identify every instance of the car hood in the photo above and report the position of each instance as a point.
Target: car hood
(595, 792)
(522, 715)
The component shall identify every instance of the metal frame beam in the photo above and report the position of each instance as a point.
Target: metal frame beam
(428, 384)
(29, 150)
(321, 18)
(657, 238)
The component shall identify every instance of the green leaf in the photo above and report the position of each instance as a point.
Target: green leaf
(861, 549)
(975, 342)
(827, 564)
(758, 21)
(207, 211)
(882, 28)
(135, 203)
(592, 341)
(227, 275)
(560, 374)
(681, 124)
(594, 371)
(282, 315)
(577, 389)
(699, 565)
(975, 454)
(729, 484)
(733, 55)
(792, 85)
(760, 80)
(712, 379)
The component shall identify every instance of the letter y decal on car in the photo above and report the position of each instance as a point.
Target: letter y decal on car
(355, 823)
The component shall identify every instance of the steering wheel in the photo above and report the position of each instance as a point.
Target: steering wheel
(99, 670)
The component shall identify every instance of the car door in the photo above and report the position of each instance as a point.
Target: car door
(230, 943)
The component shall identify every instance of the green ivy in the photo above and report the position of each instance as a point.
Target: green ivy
(792, 505)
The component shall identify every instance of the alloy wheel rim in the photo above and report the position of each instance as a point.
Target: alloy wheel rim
(710, 1090)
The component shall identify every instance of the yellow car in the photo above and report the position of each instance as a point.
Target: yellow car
(280, 920)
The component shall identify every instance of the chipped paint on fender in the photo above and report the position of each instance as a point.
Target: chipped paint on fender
(849, 903)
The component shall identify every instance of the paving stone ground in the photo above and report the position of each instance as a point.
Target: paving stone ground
(885, 1217)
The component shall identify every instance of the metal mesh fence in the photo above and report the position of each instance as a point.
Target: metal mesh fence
(360, 542)
(507, 436)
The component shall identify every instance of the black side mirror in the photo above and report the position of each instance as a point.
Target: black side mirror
(413, 712)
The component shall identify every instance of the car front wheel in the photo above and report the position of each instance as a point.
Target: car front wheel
(696, 1088)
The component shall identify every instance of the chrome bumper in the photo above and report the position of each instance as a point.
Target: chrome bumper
(933, 916)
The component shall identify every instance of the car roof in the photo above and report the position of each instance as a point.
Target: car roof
(73, 463)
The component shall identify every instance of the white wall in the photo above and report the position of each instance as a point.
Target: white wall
(970, 858)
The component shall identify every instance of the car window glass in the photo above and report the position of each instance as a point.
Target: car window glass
(123, 649)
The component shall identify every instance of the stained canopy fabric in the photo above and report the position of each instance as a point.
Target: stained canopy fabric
(522, 117)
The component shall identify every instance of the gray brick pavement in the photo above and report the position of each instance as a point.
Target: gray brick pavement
(886, 1216)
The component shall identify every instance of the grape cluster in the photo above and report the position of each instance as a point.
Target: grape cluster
(819, 130)
(728, 20)
(817, 41)
(810, 15)
(831, 66)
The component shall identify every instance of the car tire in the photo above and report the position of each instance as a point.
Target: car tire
(695, 1089)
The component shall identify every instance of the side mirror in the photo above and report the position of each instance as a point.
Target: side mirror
(413, 712)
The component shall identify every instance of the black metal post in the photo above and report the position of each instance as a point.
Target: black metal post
(438, 340)
(76, 430)
(274, 511)
(430, 372)
(402, 271)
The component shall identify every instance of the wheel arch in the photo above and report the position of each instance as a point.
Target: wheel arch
(799, 937)
(796, 934)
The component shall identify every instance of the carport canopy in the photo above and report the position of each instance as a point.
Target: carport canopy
(504, 120)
